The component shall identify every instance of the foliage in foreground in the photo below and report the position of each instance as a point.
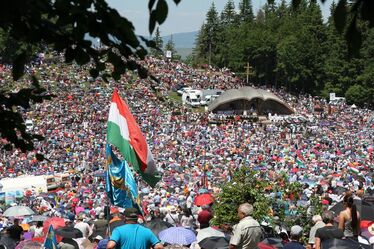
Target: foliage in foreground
(252, 186)
(65, 26)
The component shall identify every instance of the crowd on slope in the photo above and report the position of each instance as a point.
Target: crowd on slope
(191, 153)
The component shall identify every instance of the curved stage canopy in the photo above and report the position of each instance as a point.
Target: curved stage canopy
(246, 100)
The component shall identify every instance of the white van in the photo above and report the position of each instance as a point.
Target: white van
(183, 90)
(337, 101)
(192, 97)
(208, 99)
(29, 124)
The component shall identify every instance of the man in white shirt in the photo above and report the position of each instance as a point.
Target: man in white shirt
(189, 201)
(247, 233)
(318, 223)
(83, 226)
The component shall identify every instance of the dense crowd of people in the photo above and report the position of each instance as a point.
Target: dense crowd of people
(322, 150)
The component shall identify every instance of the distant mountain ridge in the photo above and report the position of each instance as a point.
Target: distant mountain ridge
(182, 40)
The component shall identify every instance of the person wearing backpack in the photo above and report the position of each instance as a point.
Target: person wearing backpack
(172, 217)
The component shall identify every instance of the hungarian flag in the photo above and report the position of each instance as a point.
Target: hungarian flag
(353, 170)
(124, 133)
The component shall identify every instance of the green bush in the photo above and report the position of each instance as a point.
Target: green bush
(251, 186)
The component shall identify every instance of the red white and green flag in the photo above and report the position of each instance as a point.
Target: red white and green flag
(124, 133)
(353, 170)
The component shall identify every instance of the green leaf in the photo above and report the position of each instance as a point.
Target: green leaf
(161, 11)
(19, 65)
(69, 55)
(39, 157)
(116, 76)
(177, 1)
(143, 73)
(132, 65)
(81, 56)
(94, 72)
(340, 16)
(151, 44)
(141, 53)
(38, 137)
(152, 21)
(150, 4)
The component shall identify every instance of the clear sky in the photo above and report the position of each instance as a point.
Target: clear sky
(188, 16)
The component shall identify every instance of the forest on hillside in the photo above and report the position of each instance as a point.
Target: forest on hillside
(290, 48)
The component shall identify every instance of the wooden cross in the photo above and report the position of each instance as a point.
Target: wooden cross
(248, 71)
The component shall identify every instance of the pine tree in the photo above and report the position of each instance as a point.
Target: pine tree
(229, 22)
(228, 14)
(208, 37)
(212, 28)
(245, 11)
(170, 46)
(201, 50)
(159, 44)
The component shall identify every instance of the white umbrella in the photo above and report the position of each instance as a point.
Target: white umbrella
(207, 233)
(18, 211)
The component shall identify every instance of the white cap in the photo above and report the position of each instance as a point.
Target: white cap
(296, 230)
(98, 237)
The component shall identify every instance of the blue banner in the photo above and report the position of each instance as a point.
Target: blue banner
(121, 187)
(50, 240)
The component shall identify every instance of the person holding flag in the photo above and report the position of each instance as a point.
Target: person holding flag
(50, 240)
(121, 187)
(124, 133)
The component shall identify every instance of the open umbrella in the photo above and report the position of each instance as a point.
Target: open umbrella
(177, 235)
(344, 244)
(29, 244)
(214, 243)
(365, 209)
(158, 225)
(18, 211)
(274, 242)
(203, 199)
(262, 245)
(56, 222)
(39, 218)
(368, 231)
(69, 232)
(79, 210)
(208, 232)
(339, 190)
(25, 226)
